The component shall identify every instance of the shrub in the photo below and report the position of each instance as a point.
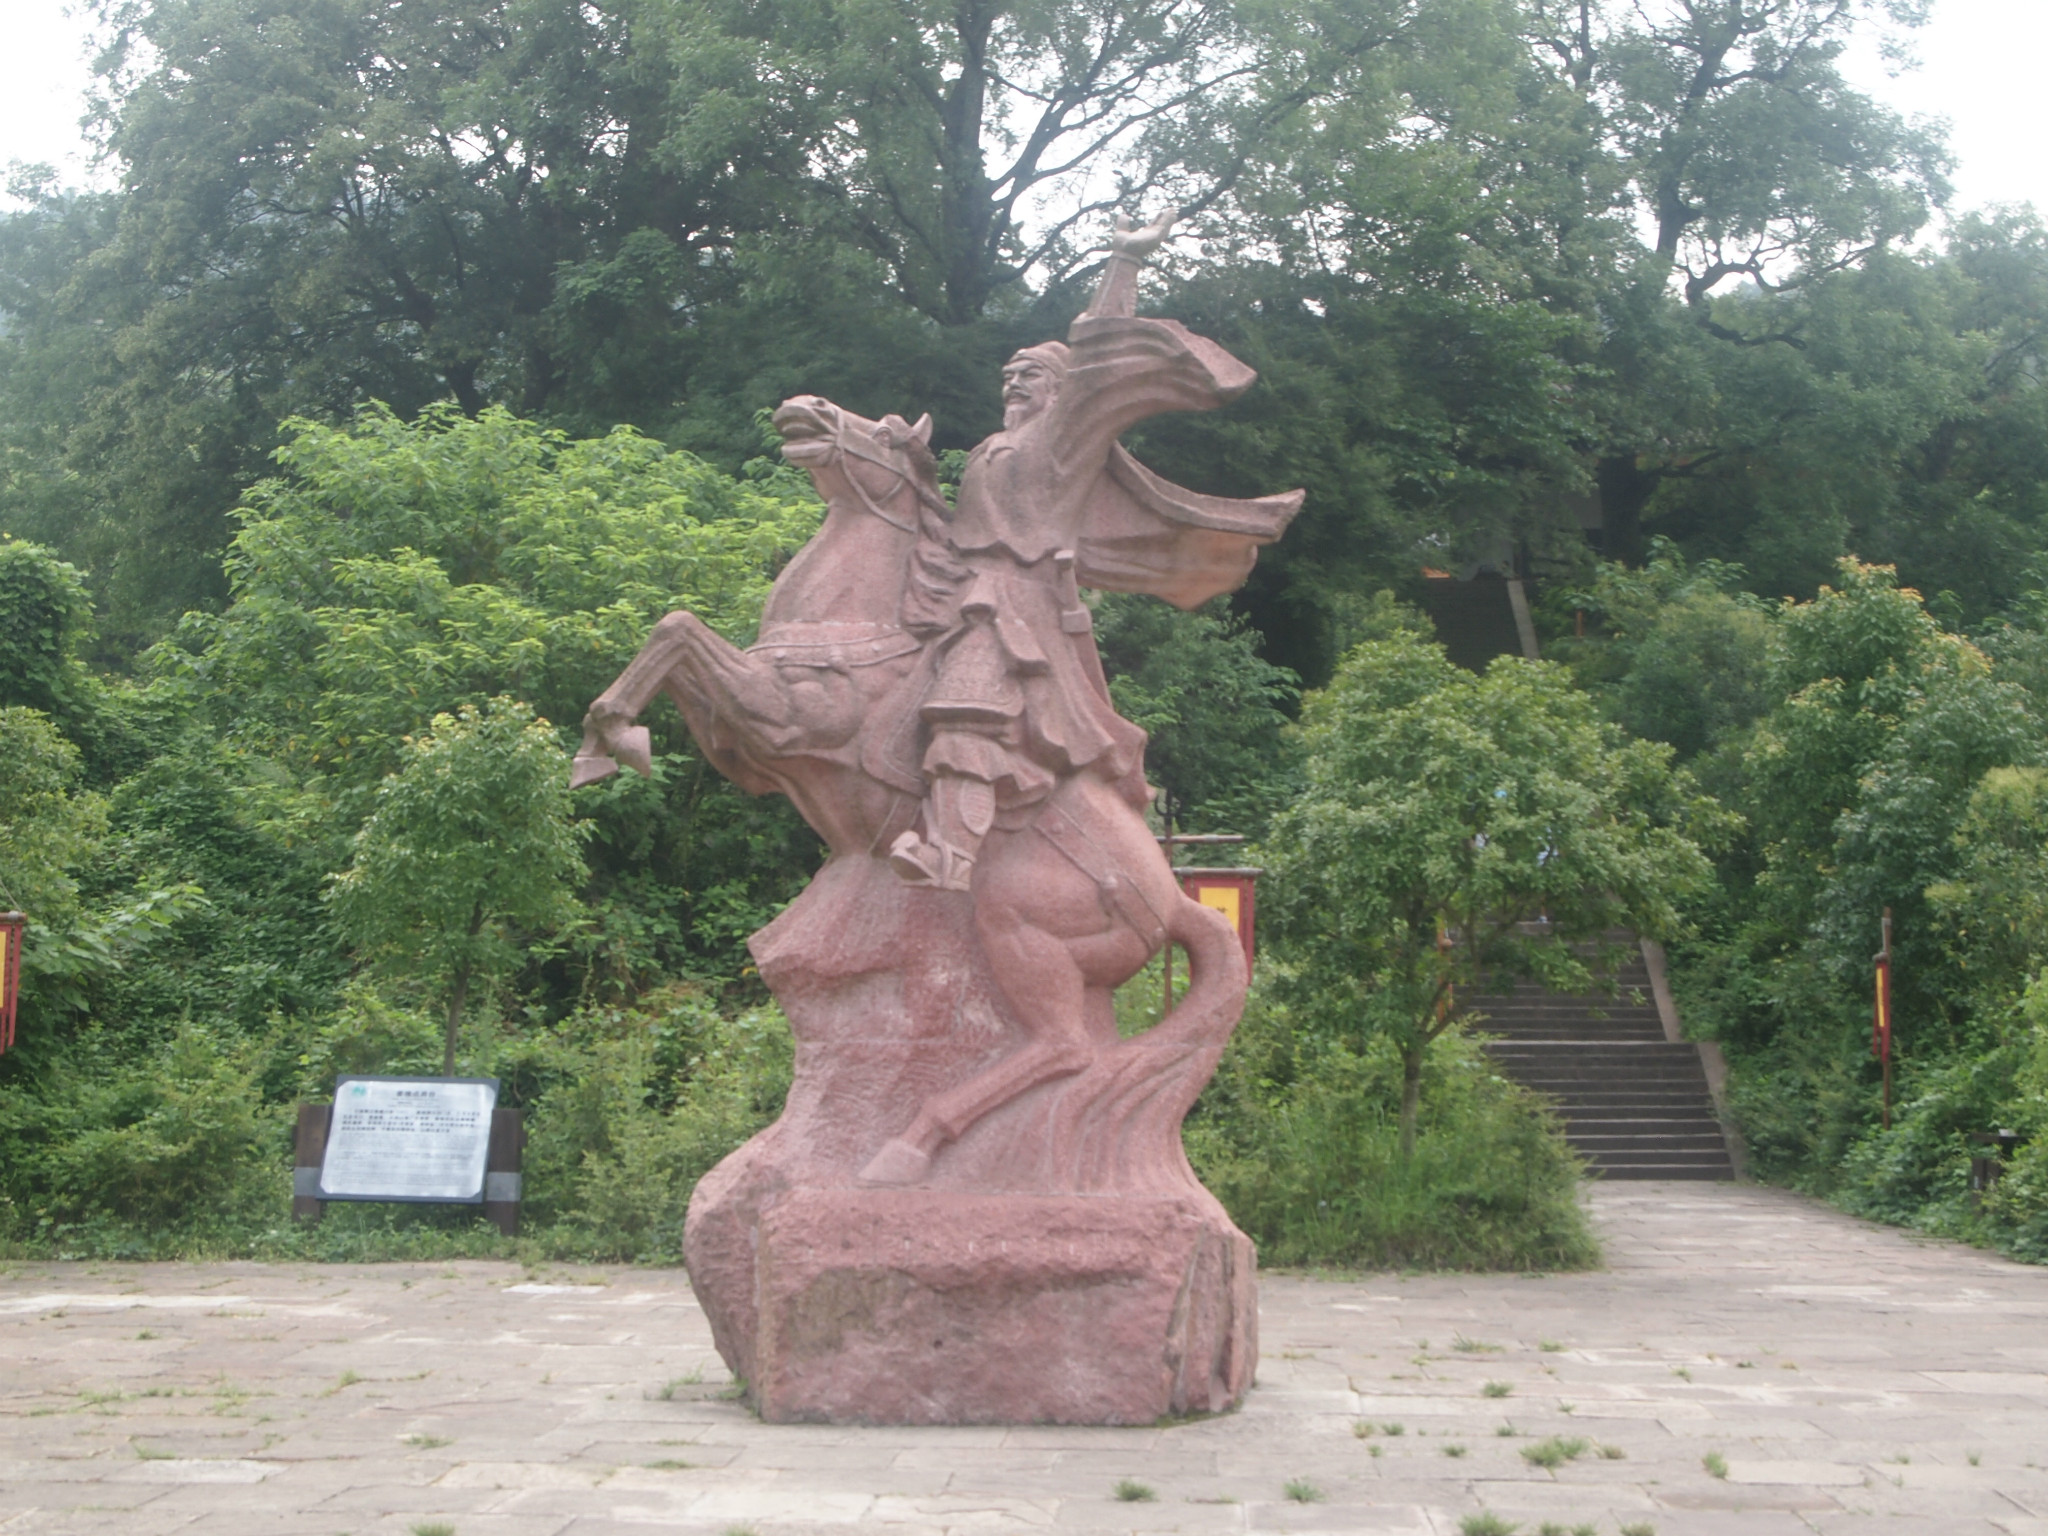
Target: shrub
(1300, 1139)
(639, 1106)
(175, 1140)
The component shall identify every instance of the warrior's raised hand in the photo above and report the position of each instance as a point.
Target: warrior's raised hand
(1128, 248)
(1138, 243)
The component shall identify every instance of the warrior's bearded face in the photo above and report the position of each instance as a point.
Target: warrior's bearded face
(1029, 386)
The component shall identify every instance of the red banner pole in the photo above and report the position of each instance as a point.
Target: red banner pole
(1881, 1033)
(11, 925)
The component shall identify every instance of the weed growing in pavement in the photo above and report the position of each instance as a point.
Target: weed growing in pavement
(1715, 1465)
(1554, 1452)
(1613, 1453)
(1496, 1389)
(433, 1528)
(1393, 1429)
(1302, 1491)
(1454, 1451)
(1639, 1528)
(668, 1464)
(344, 1380)
(1550, 1346)
(1974, 1457)
(1486, 1523)
(1132, 1491)
(1465, 1346)
(426, 1442)
(1507, 1432)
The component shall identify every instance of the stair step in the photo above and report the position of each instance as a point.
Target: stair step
(1634, 1104)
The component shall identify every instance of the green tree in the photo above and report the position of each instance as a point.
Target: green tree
(1214, 710)
(1455, 827)
(1993, 911)
(50, 826)
(969, 150)
(1888, 410)
(470, 846)
(45, 621)
(395, 571)
(1855, 783)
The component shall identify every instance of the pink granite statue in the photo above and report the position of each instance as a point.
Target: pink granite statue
(975, 1206)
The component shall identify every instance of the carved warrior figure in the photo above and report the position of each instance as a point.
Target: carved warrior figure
(1049, 503)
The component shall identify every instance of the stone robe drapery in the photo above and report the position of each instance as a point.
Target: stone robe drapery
(1044, 507)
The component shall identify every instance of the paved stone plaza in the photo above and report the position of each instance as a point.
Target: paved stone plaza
(1840, 1377)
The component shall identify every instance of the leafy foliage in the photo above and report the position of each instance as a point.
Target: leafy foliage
(471, 847)
(1453, 827)
(1301, 1137)
(1214, 709)
(404, 570)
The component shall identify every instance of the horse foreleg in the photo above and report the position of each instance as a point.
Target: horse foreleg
(692, 662)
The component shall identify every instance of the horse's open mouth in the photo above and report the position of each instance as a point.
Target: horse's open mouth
(807, 427)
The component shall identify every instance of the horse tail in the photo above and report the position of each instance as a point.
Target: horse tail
(1214, 1001)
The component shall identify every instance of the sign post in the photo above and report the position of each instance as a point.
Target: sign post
(11, 926)
(411, 1140)
(1881, 1019)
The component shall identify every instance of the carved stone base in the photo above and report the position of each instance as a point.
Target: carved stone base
(944, 1307)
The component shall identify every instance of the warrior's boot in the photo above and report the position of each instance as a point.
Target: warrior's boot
(958, 811)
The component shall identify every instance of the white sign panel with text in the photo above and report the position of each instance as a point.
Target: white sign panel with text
(409, 1138)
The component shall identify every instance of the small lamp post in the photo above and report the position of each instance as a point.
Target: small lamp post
(1881, 1017)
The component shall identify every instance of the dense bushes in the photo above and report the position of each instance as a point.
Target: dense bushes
(1300, 1136)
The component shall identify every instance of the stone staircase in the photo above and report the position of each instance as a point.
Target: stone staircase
(1633, 1101)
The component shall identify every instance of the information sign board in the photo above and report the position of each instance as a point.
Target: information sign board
(409, 1138)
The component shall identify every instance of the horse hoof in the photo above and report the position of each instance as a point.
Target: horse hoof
(588, 769)
(897, 1163)
(632, 747)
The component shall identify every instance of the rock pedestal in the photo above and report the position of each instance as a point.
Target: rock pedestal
(915, 1307)
(1060, 1264)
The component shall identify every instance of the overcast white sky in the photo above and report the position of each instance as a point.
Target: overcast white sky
(1980, 67)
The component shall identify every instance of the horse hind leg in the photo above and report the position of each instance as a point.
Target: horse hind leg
(1037, 971)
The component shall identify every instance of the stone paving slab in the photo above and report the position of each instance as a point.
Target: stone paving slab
(1750, 1364)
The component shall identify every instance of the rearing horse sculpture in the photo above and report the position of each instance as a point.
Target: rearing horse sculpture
(1066, 906)
(975, 1204)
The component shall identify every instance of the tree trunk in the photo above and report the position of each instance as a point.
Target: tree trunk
(1411, 1094)
(456, 993)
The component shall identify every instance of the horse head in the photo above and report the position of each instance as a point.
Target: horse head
(882, 467)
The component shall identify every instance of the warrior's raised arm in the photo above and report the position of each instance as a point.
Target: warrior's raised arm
(1117, 294)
